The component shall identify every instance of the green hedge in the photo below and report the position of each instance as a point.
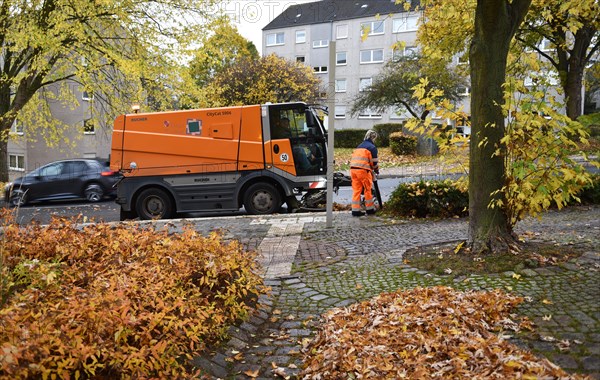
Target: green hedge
(384, 131)
(590, 194)
(444, 199)
(348, 138)
(428, 199)
(402, 144)
(591, 123)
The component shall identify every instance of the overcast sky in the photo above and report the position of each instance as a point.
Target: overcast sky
(250, 16)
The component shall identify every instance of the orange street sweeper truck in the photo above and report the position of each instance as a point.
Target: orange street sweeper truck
(220, 160)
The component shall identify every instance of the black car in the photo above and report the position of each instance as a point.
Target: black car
(68, 179)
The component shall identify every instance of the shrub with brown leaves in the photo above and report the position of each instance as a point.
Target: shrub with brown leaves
(423, 333)
(117, 302)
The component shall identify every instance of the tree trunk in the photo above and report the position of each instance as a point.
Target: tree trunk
(577, 61)
(495, 24)
(3, 160)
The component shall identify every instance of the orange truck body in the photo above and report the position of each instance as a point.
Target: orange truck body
(210, 160)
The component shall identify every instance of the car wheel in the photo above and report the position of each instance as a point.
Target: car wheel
(154, 204)
(93, 192)
(18, 198)
(262, 198)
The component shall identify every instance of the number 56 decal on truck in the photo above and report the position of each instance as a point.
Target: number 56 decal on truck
(220, 159)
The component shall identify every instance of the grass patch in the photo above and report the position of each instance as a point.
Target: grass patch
(449, 259)
(387, 159)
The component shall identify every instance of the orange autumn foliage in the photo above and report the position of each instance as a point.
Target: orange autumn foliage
(117, 301)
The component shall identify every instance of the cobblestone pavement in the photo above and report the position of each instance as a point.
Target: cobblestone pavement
(312, 269)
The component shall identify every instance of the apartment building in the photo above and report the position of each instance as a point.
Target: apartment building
(82, 138)
(367, 33)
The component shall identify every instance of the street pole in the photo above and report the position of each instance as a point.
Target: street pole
(330, 130)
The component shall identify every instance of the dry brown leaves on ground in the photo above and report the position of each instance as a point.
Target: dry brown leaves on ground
(424, 333)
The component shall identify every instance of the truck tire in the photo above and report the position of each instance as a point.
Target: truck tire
(261, 199)
(154, 204)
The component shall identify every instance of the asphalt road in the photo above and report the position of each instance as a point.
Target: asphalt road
(108, 210)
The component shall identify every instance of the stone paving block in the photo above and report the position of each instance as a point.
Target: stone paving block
(591, 363)
(210, 367)
(564, 361)
(341, 259)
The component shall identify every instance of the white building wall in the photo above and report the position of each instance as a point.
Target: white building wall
(352, 44)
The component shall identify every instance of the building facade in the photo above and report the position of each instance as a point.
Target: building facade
(368, 33)
(81, 138)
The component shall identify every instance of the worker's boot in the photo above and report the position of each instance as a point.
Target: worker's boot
(357, 213)
(371, 212)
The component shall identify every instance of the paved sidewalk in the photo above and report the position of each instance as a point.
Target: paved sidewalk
(312, 268)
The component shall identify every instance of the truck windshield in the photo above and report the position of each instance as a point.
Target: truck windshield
(301, 126)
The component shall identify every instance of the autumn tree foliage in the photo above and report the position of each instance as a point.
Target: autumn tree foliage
(120, 51)
(520, 142)
(393, 87)
(268, 79)
(117, 302)
(222, 48)
(566, 34)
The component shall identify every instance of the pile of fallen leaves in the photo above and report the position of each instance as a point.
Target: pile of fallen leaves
(424, 333)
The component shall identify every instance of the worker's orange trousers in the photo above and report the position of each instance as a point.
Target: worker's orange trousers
(362, 183)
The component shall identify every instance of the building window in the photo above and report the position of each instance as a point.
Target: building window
(88, 127)
(16, 129)
(16, 162)
(340, 85)
(410, 52)
(300, 36)
(464, 91)
(300, 59)
(543, 79)
(371, 56)
(320, 44)
(369, 114)
(341, 32)
(340, 58)
(546, 45)
(275, 39)
(320, 69)
(364, 84)
(340, 112)
(372, 28)
(87, 96)
(408, 24)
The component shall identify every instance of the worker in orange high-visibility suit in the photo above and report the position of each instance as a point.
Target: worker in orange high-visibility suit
(362, 165)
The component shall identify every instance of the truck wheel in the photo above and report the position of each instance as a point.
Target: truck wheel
(154, 204)
(262, 198)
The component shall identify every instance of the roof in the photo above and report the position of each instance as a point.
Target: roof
(334, 10)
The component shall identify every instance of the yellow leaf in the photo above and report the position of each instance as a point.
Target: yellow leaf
(252, 374)
(459, 247)
(51, 277)
(516, 276)
(546, 302)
